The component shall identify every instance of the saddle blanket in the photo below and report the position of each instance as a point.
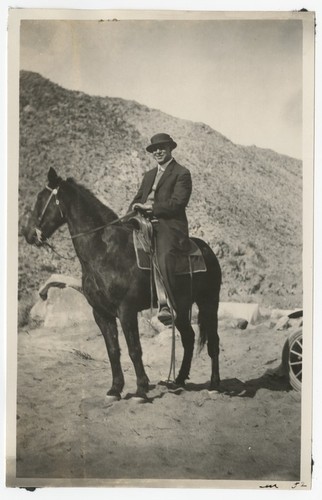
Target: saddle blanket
(185, 264)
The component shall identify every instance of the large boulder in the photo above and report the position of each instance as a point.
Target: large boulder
(66, 307)
(238, 310)
(38, 311)
(61, 303)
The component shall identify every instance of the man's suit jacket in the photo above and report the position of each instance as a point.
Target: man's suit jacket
(171, 198)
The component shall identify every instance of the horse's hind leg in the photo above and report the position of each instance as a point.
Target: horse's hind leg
(129, 324)
(108, 328)
(188, 340)
(213, 351)
(208, 325)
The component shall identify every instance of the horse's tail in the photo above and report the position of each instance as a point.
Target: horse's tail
(207, 299)
(208, 325)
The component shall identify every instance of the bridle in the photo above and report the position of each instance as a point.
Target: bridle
(39, 234)
(53, 194)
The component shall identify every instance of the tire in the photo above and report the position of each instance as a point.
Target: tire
(292, 359)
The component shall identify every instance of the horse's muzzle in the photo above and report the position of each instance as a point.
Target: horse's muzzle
(33, 236)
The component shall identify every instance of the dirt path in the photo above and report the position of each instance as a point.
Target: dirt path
(66, 429)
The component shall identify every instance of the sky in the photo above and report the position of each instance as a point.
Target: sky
(243, 78)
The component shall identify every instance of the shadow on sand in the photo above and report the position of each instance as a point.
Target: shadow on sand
(234, 387)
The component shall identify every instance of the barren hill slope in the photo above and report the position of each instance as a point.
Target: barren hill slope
(246, 201)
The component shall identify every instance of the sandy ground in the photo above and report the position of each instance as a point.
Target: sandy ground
(66, 428)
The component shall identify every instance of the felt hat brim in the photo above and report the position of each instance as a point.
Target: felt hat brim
(151, 147)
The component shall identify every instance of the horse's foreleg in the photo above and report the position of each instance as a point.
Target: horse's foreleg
(188, 340)
(108, 328)
(213, 351)
(129, 324)
(215, 378)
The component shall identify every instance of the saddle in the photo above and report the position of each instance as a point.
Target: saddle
(192, 262)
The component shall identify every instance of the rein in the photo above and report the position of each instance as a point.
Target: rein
(53, 249)
(94, 230)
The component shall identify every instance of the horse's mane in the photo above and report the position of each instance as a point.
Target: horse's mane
(93, 204)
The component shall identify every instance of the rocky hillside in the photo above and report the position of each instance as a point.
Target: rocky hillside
(246, 202)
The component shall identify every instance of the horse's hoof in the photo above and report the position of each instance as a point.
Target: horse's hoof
(213, 391)
(176, 387)
(179, 383)
(111, 399)
(112, 396)
(138, 400)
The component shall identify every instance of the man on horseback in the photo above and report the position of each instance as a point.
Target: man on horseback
(107, 256)
(164, 194)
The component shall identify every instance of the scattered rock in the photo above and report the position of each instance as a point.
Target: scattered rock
(279, 313)
(279, 371)
(296, 314)
(295, 323)
(282, 324)
(242, 324)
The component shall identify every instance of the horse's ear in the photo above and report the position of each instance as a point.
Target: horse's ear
(52, 177)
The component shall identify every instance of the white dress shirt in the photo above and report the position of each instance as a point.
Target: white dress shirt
(160, 171)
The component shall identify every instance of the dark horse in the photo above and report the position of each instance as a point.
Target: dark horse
(113, 284)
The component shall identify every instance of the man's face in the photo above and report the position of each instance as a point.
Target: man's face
(162, 153)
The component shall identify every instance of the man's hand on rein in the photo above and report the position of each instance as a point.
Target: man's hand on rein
(145, 207)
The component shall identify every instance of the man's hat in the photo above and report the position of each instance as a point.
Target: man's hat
(160, 139)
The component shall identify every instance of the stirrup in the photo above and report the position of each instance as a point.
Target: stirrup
(165, 316)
